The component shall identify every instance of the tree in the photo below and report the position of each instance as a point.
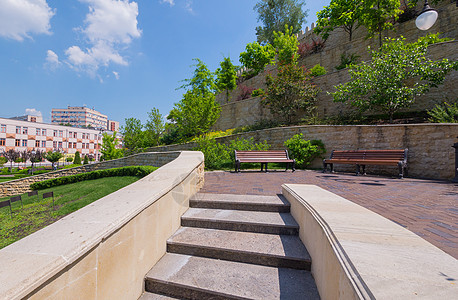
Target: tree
(289, 92)
(154, 128)
(11, 155)
(77, 158)
(25, 157)
(35, 156)
(226, 77)
(257, 57)
(53, 157)
(86, 160)
(108, 149)
(275, 14)
(286, 46)
(397, 74)
(197, 111)
(339, 13)
(132, 132)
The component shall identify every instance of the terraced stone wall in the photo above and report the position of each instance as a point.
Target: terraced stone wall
(430, 145)
(20, 186)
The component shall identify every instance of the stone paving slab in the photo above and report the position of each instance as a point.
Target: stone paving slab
(429, 208)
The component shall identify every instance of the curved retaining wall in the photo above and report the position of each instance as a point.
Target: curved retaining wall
(20, 186)
(358, 254)
(104, 250)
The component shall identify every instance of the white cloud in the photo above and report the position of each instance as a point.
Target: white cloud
(33, 112)
(111, 25)
(20, 18)
(171, 2)
(52, 60)
(116, 74)
(188, 6)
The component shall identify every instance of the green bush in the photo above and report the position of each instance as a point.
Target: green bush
(347, 60)
(304, 151)
(69, 159)
(444, 113)
(86, 160)
(317, 70)
(3, 160)
(139, 171)
(257, 93)
(218, 156)
(77, 159)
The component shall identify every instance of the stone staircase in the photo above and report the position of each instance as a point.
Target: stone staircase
(234, 247)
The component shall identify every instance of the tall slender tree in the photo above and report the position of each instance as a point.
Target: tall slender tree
(226, 77)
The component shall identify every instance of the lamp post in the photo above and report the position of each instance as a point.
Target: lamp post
(426, 18)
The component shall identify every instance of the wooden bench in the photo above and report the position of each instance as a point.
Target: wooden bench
(361, 158)
(263, 157)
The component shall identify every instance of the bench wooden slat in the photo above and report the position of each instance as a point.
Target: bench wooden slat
(263, 157)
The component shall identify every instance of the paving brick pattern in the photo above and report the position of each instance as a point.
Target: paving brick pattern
(429, 208)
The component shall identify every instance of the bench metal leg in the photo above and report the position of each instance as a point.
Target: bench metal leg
(357, 170)
(325, 166)
(364, 170)
(401, 170)
(293, 166)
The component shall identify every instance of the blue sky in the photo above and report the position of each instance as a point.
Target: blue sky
(120, 57)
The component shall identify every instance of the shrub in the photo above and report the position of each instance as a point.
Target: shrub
(347, 60)
(218, 156)
(317, 70)
(3, 160)
(77, 159)
(69, 159)
(315, 46)
(257, 93)
(304, 151)
(245, 92)
(86, 160)
(444, 113)
(139, 171)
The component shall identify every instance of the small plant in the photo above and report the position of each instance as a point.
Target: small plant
(77, 159)
(347, 60)
(444, 113)
(86, 160)
(304, 151)
(69, 159)
(317, 70)
(3, 160)
(245, 92)
(315, 46)
(257, 93)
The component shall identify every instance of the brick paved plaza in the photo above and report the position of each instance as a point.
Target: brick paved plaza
(428, 208)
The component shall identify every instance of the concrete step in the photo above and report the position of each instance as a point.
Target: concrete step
(285, 251)
(240, 202)
(192, 277)
(153, 296)
(238, 220)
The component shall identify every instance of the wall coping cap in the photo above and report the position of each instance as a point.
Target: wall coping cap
(382, 259)
(31, 261)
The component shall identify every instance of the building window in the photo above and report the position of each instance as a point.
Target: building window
(60, 145)
(38, 131)
(25, 130)
(61, 133)
(2, 141)
(17, 143)
(37, 144)
(3, 128)
(75, 135)
(54, 144)
(24, 143)
(43, 132)
(18, 129)
(54, 133)
(70, 134)
(43, 144)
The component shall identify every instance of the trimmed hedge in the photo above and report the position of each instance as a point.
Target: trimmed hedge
(139, 171)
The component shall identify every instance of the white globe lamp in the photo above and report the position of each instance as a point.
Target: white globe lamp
(426, 18)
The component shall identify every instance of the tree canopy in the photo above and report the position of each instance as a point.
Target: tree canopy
(256, 57)
(108, 149)
(226, 76)
(398, 73)
(275, 14)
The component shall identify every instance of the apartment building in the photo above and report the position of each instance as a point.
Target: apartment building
(79, 116)
(23, 135)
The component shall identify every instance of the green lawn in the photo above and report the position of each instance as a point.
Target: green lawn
(38, 213)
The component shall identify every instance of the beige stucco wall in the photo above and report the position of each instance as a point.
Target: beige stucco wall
(430, 145)
(20, 186)
(104, 250)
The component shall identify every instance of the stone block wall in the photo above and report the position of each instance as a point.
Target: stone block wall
(246, 112)
(20, 186)
(430, 145)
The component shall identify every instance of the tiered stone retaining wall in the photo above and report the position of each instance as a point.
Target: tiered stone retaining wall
(430, 145)
(20, 186)
(240, 113)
